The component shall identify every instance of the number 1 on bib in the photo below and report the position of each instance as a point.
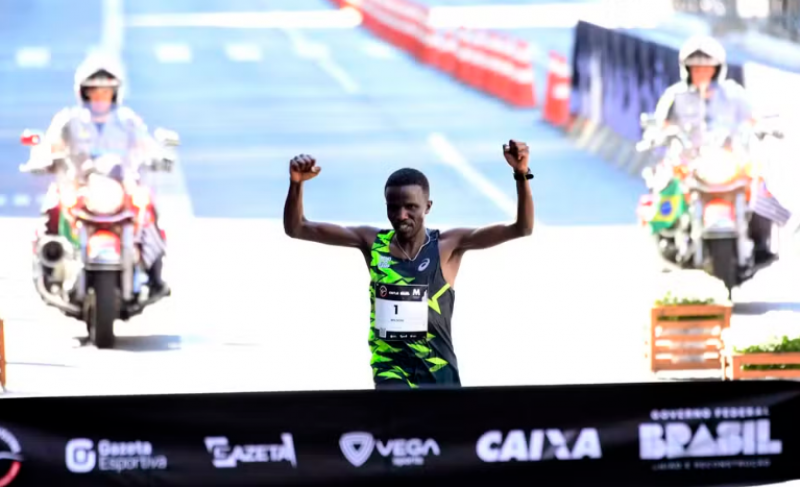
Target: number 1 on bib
(401, 312)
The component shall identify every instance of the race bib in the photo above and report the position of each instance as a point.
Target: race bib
(401, 312)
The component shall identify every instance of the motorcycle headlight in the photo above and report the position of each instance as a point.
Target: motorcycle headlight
(718, 168)
(103, 195)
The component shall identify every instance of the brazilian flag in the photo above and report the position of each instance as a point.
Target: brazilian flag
(65, 230)
(671, 205)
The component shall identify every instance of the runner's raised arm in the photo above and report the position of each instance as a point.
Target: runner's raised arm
(301, 169)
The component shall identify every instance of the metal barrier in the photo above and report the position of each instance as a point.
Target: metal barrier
(780, 18)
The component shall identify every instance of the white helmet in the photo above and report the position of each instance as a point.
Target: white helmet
(703, 51)
(99, 70)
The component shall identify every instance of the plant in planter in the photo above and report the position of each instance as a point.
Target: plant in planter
(773, 346)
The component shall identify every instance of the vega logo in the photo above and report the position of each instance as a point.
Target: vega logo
(358, 447)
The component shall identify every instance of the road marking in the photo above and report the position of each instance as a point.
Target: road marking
(320, 53)
(379, 50)
(171, 192)
(33, 57)
(173, 53)
(243, 52)
(347, 18)
(113, 34)
(453, 158)
(611, 14)
(22, 200)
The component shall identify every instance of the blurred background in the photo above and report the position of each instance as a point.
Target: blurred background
(368, 87)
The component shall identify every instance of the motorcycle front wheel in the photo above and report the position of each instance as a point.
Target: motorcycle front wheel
(104, 308)
(723, 262)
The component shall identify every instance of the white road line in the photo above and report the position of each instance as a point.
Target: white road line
(173, 53)
(319, 52)
(33, 57)
(316, 19)
(379, 50)
(170, 189)
(22, 200)
(453, 158)
(243, 52)
(339, 74)
(113, 34)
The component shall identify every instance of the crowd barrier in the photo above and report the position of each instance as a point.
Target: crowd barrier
(617, 77)
(493, 63)
(664, 434)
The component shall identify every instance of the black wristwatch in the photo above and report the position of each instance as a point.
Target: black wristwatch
(519, 176)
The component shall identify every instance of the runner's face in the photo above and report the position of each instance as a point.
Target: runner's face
(406, 207)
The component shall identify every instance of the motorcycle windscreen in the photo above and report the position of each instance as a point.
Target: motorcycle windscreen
(719, 217)
(104, 247)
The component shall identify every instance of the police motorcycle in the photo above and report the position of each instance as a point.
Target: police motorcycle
(712, 183)
(92, 270)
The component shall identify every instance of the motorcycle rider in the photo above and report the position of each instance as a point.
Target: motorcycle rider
(99, 122)
(706, 98)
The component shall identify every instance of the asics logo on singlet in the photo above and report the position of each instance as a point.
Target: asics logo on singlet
(424, 265)
(384, 261)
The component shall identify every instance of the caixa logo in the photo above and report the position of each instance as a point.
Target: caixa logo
(539, 445)
(358, 447)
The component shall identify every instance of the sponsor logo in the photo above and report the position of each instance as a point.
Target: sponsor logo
(10, 451)
(707, 433)
(358, 447)
(112, 456)
(424, 265)
(226, 456)
(384, 261)
(538, 445)
(383, 291)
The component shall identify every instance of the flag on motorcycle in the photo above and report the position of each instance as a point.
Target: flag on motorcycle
(65, 230)
(152, 244)
(767, 205)
(669, 207)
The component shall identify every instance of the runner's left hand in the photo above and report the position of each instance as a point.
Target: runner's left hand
(516, 154)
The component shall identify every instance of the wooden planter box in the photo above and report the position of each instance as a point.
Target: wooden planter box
(693, 343)
(733, 362)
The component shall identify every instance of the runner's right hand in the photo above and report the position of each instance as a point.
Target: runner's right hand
(302, 168)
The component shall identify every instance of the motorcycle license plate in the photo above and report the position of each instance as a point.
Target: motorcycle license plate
(104, 248)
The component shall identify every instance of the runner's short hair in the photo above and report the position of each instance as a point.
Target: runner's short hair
(408, 177)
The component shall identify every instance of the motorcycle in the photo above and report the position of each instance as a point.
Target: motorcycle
(93, 270)
(705, 192)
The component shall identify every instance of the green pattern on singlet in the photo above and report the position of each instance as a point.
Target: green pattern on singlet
(384, 353)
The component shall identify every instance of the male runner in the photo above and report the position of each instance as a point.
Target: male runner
(412, 269)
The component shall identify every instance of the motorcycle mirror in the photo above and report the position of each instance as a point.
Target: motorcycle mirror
(166, 137)
(31, 138)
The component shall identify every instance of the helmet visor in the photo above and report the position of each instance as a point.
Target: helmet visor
(700, 58)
